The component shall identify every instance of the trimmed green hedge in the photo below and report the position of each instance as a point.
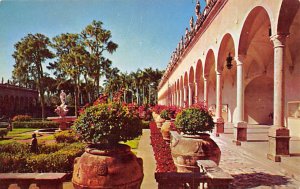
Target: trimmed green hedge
(68, 136)
(36, 124)
(16, 157)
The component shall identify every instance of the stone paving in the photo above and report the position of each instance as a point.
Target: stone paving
(250, 168)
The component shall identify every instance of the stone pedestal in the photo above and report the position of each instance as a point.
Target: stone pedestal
(240, 132)
(279, 140)
(219, 126)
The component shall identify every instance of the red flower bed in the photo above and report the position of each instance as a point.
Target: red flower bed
(162, 151)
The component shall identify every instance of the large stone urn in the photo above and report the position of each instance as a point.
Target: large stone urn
(116, 168)
(187, 149)
(165, 130)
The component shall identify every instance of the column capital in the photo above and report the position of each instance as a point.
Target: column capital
(278, 40)
(240, 59)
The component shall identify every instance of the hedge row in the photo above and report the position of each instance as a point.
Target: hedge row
(36, 124)
(15, 157)
(68, 136)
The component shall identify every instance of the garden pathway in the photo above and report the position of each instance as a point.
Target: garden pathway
(146, 153)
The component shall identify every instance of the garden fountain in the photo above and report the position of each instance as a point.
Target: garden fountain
(62, 111)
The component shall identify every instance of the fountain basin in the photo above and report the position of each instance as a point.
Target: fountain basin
(45, 131)
(64, 122)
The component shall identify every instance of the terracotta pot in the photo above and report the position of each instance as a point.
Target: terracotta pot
(103, 167)
(165, 130)
(187, 149)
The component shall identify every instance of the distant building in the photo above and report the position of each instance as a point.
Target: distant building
(16, 100)
(242, 59)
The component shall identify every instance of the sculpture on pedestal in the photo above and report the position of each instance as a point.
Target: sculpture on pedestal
(62, 110)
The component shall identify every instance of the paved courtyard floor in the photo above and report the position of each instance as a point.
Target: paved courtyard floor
(248, 163)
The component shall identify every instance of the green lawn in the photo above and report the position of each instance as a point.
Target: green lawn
(133, 143)
(18, 131)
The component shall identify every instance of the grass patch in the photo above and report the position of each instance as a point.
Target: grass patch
(22, 136)
(48, 137)
(133, 143)
(17, 131)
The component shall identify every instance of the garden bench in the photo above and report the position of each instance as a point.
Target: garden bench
(24, 180)
(217, 177)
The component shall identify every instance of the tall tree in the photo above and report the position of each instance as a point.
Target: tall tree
(30, 52)
(72, 58)
(98, 40)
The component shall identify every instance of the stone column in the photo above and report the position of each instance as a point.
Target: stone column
(219, 119)
(240, 127)
(191, 85)
(185, 96)
(205, 91)
(279, 136)
(196, 92)
(181, 97)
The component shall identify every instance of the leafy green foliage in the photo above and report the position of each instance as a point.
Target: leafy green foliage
(30, 52)
(108, 123)
(165, 114)
(194, 121)
(68, 136)
(36, 124)
(22, 118)
(16, 157)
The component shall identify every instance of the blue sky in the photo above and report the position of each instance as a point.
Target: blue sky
(147, 31)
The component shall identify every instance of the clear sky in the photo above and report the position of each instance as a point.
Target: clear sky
(147, 31)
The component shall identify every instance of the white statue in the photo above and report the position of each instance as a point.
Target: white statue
(62, 109)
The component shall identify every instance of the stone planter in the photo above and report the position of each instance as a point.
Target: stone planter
(159, 121)
(165, 130)
(108, 168)
(187, 149)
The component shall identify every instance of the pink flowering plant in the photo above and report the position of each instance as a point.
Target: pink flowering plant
(108, 123)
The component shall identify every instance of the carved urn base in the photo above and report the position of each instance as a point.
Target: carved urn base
(165, 130)
(103, 167)
(187, 149)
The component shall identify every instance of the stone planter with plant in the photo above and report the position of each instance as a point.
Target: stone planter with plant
(165, 128)
(106, 163)
(193, 143)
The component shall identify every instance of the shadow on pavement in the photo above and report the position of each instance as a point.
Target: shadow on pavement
(252, 180)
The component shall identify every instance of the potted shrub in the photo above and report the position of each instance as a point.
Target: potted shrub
(106, 163)
(193, 143)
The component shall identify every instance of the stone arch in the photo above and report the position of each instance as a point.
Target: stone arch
(287, 13)
(210, 75)
(199, 80)
(227, 47)
(192, 87)
(257, 18)
(257, 51)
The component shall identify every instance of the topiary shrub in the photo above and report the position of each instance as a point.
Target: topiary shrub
(108, 123)
(193, 121)
(22, 118)
(68, 136)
